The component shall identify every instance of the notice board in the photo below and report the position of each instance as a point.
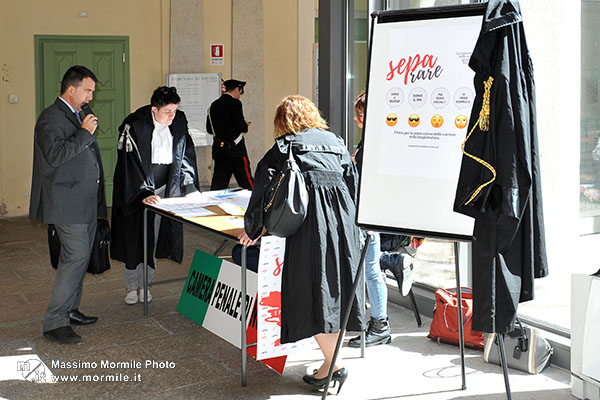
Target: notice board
(197, 92)
(419, 99)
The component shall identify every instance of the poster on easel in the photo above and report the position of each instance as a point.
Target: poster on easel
(419, 98)
(197, 92)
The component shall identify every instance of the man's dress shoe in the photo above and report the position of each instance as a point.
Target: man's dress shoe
(78, 318)
(64, 334)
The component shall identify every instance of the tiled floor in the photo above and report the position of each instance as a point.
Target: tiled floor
(196, 363)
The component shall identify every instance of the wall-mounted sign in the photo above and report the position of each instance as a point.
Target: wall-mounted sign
(217, 56)
(197, 92)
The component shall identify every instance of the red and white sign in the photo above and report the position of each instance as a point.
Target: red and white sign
(217, 55)
(270, 265)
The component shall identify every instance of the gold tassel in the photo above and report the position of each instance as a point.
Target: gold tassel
(484, 125)
(484, 114)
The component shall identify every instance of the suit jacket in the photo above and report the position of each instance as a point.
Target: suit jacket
(68, 182)
(228, 121)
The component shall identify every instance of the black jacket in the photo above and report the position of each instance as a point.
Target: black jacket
(134, 181)
(228, 121)
(509, 245)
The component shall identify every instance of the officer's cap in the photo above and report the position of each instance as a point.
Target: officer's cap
(231, 84)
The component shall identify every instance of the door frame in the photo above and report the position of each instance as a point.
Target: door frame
(39, 40)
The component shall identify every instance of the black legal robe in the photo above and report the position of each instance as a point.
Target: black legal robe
(134, 181)
(509, 245)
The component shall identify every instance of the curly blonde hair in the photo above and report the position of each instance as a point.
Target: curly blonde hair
(296, 114)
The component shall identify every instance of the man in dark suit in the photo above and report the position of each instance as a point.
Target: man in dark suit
(67, 190)
(226, 122)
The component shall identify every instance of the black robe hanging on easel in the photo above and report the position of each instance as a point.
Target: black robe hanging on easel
(499, 182)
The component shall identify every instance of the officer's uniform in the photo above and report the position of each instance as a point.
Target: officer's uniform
(227, 123)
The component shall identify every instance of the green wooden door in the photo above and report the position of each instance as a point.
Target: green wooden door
(108, 58)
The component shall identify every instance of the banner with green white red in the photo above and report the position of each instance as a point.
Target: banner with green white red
(212, 297)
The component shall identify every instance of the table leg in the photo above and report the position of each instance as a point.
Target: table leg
(244, 317)
(145, 288)
(461, 334)
(221, 246)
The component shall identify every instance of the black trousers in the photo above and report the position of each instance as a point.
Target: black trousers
(226, 166)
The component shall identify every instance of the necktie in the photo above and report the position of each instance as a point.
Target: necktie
(78, 116)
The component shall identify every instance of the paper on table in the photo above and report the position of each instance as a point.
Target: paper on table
(232, 209)
(240, 198)
(195, 212)
(237, 222)
(184, 207)
(234, 202)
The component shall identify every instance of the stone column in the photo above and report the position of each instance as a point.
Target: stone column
(187, 57)
(248, 65)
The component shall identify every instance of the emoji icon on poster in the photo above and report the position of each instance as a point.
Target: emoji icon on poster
(413, 120)
(437, 121)
(391, 119)
(460, 121)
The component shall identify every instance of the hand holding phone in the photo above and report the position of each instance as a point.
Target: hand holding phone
(90, 121)
(87, 110)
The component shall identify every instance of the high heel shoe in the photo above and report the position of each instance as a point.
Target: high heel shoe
(339, 376)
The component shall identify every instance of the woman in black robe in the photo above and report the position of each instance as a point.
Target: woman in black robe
(321, 259)
(155, 159)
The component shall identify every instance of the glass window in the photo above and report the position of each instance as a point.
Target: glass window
(358, 65)
(552, 302)
(589, 208)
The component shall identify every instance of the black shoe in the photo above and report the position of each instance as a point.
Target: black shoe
(339, 376)
(64, 334)
(390, 260)
(78, 318)
(378, 332)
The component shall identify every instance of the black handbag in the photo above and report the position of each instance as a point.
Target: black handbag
(526, 350)
(99, 259)
(286, 200)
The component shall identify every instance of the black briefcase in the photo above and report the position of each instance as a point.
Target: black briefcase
(99, 260)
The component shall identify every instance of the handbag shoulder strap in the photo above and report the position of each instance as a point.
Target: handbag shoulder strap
(290, 153)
